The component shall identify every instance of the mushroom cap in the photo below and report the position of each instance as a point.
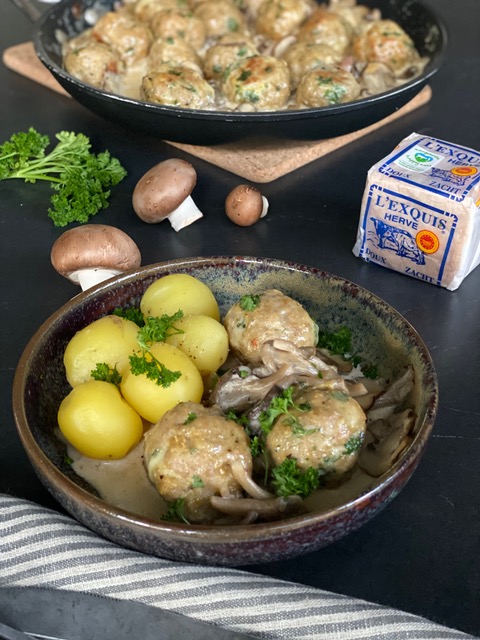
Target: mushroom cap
(94, 246)
(162, 189)
(245, 205)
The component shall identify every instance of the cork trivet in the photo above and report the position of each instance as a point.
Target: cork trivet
(256, 162)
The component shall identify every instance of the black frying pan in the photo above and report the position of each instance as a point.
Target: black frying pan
(214, 127)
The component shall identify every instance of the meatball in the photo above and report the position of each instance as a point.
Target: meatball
(386, 42)
(174, 24)
(229, 50)
(177, 87)
(327, 28)
(129, 38)
(220, 17)
(144, 10)
(261, 82)
(173, 51)
(324, 430)
(279, 18)
(268, 316)
(93, 63)
(325, 87)
(302, 57)
(188, 455)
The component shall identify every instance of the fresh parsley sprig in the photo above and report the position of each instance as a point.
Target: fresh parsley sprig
(158, 329)
(81, 180)
(289, 479)
(281, 404)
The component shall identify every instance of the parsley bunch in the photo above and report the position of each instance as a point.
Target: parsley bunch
(81, 180)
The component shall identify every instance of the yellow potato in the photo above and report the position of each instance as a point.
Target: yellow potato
(179, 291)
(110, 339)
(204, 341)
(98, 422)
(151, 400)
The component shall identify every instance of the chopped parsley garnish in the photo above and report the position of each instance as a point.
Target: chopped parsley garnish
(370, 371)
(197, 482)
(279, 405)
(190, 418)
(338, 343)
(105, 373)
(289, 480)
(353, 444)
(249, 303)
(158, 329)
(153, 369)
(175, 512)
(133, 314)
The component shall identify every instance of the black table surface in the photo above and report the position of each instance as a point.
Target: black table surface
(421, 553)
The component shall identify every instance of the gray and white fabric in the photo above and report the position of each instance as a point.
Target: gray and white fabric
(40, 547)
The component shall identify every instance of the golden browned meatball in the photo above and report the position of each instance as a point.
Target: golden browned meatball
(324, 430)
(220, 17)
(93, 63)
(129, 38)
(356, 15)
(327, 28)
(229, 50)
(144, 10)
(386, 42)
(325, 87)
(174, 24)
(173, 51)
(261, 82)
(304, 56)
(279, 18)
(177, 87)
(255, 319)
(188, 455)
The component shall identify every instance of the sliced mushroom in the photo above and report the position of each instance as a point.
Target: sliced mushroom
(388, 401)
(245, 205)
(268, 509)
(91, 253)
(385, 441)
(165, 192)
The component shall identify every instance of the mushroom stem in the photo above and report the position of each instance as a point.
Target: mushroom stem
(264, 208)
(186, 213)
(87, 278)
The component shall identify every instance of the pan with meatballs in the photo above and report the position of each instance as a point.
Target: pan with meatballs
(257, 55)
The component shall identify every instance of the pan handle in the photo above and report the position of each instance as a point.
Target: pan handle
(30, 9)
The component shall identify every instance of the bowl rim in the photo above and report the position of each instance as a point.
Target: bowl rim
(217, 534)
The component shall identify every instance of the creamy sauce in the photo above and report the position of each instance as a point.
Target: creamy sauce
(122, 483)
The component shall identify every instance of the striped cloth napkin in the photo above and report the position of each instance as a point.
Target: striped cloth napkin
(40, 547)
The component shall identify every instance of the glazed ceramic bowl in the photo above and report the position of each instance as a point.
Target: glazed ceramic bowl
(378, 330)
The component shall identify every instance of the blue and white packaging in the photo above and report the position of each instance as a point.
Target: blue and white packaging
(421, 211)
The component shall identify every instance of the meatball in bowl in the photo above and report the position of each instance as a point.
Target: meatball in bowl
(266, 410)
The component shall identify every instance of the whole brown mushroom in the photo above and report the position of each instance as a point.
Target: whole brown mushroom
(164, 192)
(245, 205)
(92, 253)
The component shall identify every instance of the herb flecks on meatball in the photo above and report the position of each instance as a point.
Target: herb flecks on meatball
(272, 315)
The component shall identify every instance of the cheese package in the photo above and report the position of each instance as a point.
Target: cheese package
(421, 211)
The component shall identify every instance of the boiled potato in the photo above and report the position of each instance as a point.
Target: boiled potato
(204, 340)
(98, 422)
(179, 291)
(152, 400)
(110, 339)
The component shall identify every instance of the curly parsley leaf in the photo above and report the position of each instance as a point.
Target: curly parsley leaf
(134, 314)
(249, 303)
(105, 373)
(353, 444)
(158, 329)
(279, 405)
(148, 365)
(338, 343)
(175, 511)
(289, 480)
(81, 180)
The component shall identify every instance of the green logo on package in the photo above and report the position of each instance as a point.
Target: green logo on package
(423, 157)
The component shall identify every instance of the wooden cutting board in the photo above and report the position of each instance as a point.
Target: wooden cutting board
(257, 163)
